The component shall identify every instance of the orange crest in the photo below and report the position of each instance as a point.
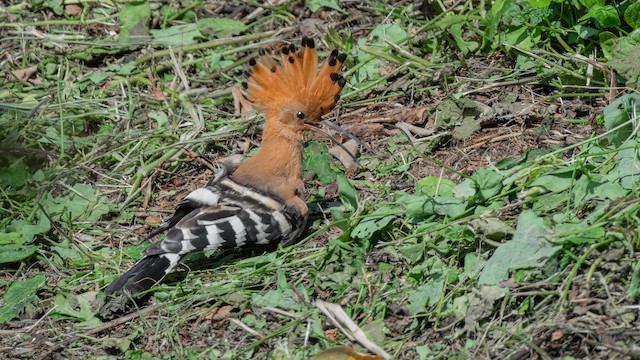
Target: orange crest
(293, 89)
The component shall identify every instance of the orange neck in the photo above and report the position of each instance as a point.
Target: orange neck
(277, 167)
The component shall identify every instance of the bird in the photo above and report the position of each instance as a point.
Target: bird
(260, 200)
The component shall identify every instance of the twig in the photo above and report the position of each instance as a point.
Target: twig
(246, 328)
(526, 80)
(338, 317)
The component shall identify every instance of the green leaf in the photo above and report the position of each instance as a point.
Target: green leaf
(434, 185)
(133, 14)
(282, 299)
(466, 46)
(556, 181)
(585, 32)
(606, 15)
(619, 112)
(528, 249)
(632, 15)
(315, 5)
(627, 168)
(425, 295)
(14, 252)
(465, 189)
(347, 192)
(83, 203)
(579, 233)
(220, 27)
(623, 55)
(11, 238)
(420, 206)
(177, 35)
(18, 296)
(488, 183)
(316, 160)
(161, 119)
(98, 77)
(15, 175)
(376, 40)
(78, 308)
(595, 186)
(29, 230)
(374, 222)
(590, 3)
(540, 3)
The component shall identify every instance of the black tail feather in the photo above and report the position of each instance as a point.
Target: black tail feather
(144, 274)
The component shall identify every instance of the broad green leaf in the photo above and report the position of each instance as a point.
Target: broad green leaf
(627, 169)
(316, 160)
(606, 15)
(595, 186)
(161, 119)
(465, 189)
(11, 238)
(132, 14)
(57, 6)
(585, 32)
(488, 183)
(623, 57)
(528, 249)
(282, 299)
(419, 205)
(578, 233)
(376, 40)
(413, 253)
(347, 192)
(176, 35)
(14, 252)
(30, 230)
(16, 175)
(18, 296)
(83, 203)
(590, 3)
(374, 222)
(557, 181)
(315, 5)
(539, 3)
(220, 27)
(425, 295)
(77, 307)
(434, 185)
(616, 114)
(632, 15)
(98, 77)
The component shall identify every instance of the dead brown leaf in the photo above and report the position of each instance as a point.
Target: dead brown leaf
(72, 9)
(240, 102)
(343, 353)
(24, 74)
(557, 335)
(331, 334)
(219, 313)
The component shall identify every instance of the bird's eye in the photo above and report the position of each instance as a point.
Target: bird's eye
(300, 115)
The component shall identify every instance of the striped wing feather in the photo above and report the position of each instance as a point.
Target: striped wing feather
(221, 215)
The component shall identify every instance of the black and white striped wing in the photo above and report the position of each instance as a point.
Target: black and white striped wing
(223, 215)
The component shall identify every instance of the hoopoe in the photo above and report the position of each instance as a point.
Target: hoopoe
(258, 202)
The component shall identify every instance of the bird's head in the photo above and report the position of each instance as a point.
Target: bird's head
(290, 88)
